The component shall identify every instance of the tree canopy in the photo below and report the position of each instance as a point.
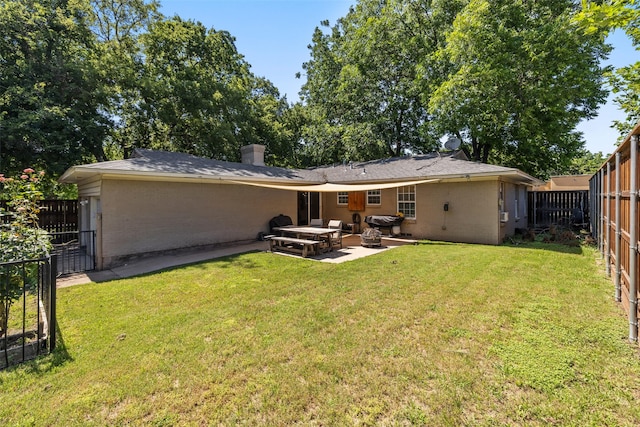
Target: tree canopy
(523, 78)
(363, 84)
(511, 79)
(90, 80)
(602, 18)
(192, 90)
(50, 104)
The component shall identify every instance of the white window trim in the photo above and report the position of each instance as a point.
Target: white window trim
(414, 201)
(342, 193)
(378, 195)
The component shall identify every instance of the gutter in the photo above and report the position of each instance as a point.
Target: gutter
(74, 176)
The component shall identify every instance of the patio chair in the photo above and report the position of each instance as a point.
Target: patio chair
(336, 238)
(316, 222)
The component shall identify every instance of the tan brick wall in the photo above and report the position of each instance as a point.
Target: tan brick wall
(140, 217)
(473, 214)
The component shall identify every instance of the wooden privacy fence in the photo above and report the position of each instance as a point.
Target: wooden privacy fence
(56, 216)
(75, 250)
(614, 223)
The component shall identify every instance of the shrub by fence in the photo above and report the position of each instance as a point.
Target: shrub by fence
(75, 249)
(614, 223)
(30, 326)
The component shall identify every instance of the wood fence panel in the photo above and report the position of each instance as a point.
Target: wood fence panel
(56, 216)
(613, 210)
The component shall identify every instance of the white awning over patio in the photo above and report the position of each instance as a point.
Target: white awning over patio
(334, 188)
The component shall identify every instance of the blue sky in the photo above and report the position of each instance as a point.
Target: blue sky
(273, 36)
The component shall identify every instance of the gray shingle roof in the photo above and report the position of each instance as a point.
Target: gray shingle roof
(171, 164)
(434, 165)
(155, 162)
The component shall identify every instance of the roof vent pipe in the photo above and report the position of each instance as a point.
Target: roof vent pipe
(253, 154)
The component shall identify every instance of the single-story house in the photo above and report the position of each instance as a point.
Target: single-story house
(159, 201)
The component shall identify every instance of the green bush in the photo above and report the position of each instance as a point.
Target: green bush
(20, 238)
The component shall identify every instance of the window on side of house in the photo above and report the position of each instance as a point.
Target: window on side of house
(343, 198)
(407, 201)
(374, 197)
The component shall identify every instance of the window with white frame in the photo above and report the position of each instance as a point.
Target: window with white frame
(407, 201)
(343, 197)
(374, 197)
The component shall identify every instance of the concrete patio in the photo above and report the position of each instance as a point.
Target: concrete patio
(353, 249)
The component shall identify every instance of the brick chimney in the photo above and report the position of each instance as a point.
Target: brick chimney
(253, 154)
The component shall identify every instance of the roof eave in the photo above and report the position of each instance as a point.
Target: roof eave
(76, 174)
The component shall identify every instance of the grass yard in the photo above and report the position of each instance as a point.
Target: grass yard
(434, 334)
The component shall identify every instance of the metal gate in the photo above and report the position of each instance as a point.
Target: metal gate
(29, 308)
(75, 251)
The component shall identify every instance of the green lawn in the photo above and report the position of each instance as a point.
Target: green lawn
(434, 334)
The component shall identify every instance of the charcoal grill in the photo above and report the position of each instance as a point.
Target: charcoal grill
(371, 237)
(390, 222)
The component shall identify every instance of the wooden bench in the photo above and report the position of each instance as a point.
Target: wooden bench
(292, 244)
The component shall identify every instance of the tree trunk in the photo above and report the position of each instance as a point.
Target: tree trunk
(485, 152)
(475, 149)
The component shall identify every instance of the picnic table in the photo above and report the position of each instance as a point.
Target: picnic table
(303, 240)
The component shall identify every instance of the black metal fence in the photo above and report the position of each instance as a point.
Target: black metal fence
(28, 303)
(567, 208)
(75, 250)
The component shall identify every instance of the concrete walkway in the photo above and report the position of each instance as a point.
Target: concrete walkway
(147, 265)
(352, 249)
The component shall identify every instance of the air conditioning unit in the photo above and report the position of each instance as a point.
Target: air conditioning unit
(504, 216)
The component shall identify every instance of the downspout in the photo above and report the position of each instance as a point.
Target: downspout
(535, 210)
(98, 241)
(618, 236)
(607, 222)
(633, 244)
